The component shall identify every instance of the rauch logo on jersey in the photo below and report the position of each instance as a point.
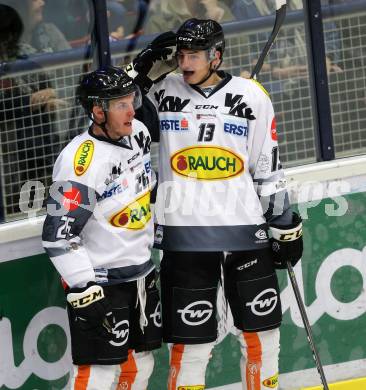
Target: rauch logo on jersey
(83, 157)
(135, 215)
(207, 163)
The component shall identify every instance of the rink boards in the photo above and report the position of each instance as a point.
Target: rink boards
(331, 197)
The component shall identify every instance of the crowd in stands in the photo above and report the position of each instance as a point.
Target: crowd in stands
(31, 104)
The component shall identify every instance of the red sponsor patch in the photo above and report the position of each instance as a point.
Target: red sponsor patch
(71, 199)
(184, 123)
(273, 130)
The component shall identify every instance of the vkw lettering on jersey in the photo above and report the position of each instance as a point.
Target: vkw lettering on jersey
(170, 103)
(264, 303)
(174, 124)
(207, 163)
(238, 107)
(135, 215)
(196, 313)
(83, 157)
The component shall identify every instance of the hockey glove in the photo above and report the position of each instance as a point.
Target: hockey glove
(286, 241)
(154, 62)
(91, 308)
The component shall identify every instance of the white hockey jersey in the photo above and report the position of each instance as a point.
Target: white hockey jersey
(98, 225)
(220, 179)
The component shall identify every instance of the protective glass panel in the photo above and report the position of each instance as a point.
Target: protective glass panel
(345, 31)
(247, 26)
(45, 48)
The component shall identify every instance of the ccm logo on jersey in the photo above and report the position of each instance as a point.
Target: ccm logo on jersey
(174, 124)
(207, 163)
(196, 313)
(264, 303)
(134, 216)
(235, 129)
(83, 157)
(85, 298)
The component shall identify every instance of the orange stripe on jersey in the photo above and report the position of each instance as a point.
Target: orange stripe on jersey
(128, 373)
(175, 363)
(254, 361)
(82, 378)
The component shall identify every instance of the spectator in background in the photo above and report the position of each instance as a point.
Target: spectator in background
(170, 14)
(27, 107)
(74, 18)
(136, 13)
(116, 13)
(288, 62)
(38, 36)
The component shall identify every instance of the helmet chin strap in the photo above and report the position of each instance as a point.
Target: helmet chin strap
(211, 71)
(101, 125)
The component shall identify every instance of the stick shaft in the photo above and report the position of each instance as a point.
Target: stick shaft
(280, 17)
(305, 320)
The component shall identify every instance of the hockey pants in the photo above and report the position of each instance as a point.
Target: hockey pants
(131, 375)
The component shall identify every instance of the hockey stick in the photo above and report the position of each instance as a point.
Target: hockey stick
(280, 17)
(305, 320)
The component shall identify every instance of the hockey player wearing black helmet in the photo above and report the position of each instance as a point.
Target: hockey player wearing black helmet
(98, 233)
(110, 98)
(222, 207)
(200, 50)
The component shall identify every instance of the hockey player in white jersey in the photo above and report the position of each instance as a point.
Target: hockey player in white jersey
(222, 202)
(99, 233)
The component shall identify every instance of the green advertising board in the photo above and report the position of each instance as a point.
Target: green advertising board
(35, 348)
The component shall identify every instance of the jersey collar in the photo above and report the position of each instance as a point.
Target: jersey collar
(225, 78)
(124, 142)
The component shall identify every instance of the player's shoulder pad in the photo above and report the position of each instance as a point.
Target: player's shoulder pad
(170, 82)
(76, 158)
(138, 126)
(258, 84)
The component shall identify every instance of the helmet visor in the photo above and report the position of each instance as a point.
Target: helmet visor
(124, 102)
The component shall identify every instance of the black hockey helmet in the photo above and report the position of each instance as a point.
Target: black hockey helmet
(201, 34)
(102, 85)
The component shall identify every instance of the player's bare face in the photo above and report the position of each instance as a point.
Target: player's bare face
(120, 115)
(193, 64)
